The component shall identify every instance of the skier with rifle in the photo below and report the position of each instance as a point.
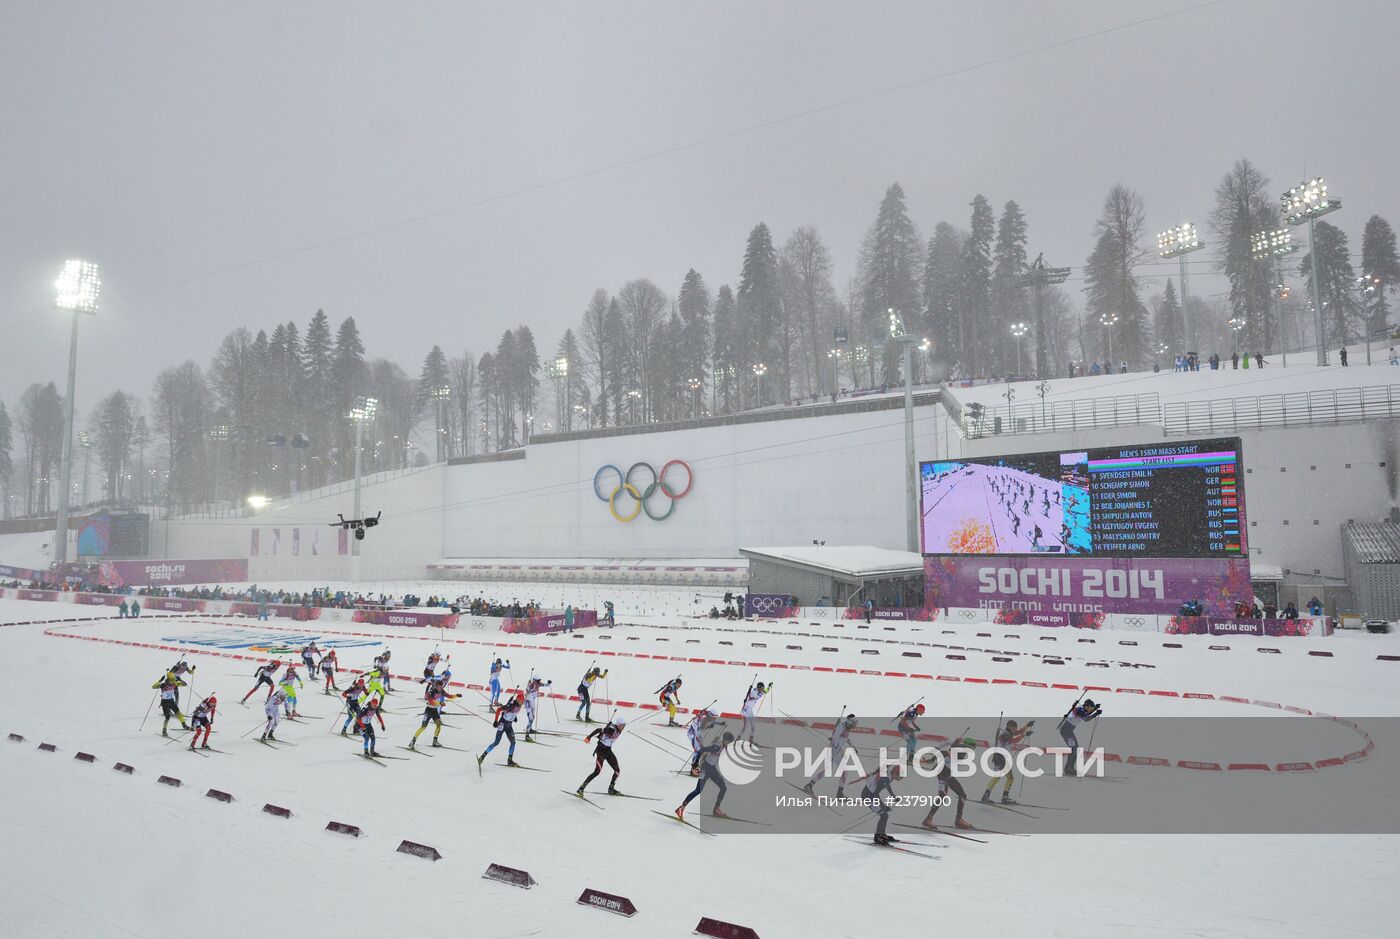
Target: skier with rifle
(670, 696)
(1077, 716)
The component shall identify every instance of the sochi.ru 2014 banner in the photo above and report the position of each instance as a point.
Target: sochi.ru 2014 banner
(550, 622)
(160, 573)
(1086, 586)
(431, 619)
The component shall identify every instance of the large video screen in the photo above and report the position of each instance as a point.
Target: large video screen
(1178, 500)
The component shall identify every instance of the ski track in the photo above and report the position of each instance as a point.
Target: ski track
(128, 841)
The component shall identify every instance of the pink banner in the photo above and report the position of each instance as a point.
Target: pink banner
(177, 604)
(551, 622)
(1203, 626)
(25, 593)
(407, 618)
(162, 573)
(890, 612)
(1060, 585)
(98, 599)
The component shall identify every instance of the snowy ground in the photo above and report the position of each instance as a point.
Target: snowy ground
(94, 852)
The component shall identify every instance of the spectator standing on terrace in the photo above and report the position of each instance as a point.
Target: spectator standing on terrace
(1259, 359)
(1342, 354)
(1393, 359)
(1244, 363)
(1234, 360)
(1314, 607)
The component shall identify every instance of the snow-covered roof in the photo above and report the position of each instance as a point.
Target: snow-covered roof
(853, 560)
(1205, 385)
(1374, 542)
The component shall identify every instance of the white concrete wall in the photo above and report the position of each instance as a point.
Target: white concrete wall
(838, 478)
(405, 542)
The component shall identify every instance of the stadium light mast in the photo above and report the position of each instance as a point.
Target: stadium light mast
(361, 413)
(440, 395)
(1270, 247)
(1177, 243)
(76, 290)
(1305, 203)
(1109, 320)
(1038, 277)
(1367, 286)
(900, 334)
(1018, 330)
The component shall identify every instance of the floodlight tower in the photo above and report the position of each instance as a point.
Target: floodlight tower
(1305, 203)
(441, 395)
(1177, 243)
(76, 290)
(1270, 247)
(1018, 330)
(1038, 277)
(1109, 320)
(900, 334)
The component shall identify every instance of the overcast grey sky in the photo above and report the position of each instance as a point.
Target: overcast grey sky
(170, 140)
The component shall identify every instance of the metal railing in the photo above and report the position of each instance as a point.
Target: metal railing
(1055, 416)
(1298, 409)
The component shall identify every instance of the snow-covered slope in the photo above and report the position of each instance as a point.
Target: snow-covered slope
(94, 852)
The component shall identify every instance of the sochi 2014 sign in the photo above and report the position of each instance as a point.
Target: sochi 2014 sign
(634, 492)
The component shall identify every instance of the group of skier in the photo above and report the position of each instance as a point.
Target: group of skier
(363, 707)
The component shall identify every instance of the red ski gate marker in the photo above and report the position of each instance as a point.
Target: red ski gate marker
(277, 810)
(169, 781)
(218, 795)
(123, 768)
(17, 738)
(723, 930)
(342, 828)
(48, 748)
(85, 757)
(509, 875)
(607, 901)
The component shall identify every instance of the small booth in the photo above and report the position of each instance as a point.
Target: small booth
(841, 576)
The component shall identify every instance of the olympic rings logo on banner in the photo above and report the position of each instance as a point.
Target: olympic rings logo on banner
(767, 604)
(625, 486)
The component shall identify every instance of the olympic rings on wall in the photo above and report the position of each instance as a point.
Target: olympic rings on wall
(633, 484)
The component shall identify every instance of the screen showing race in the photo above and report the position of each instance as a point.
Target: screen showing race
(1179, 500)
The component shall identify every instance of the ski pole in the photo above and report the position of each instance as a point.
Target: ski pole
(905, 710)
(805, 726)
(1076, 703)
(148, 711)
(251, 729)
(331, 728)
(1092, 730)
